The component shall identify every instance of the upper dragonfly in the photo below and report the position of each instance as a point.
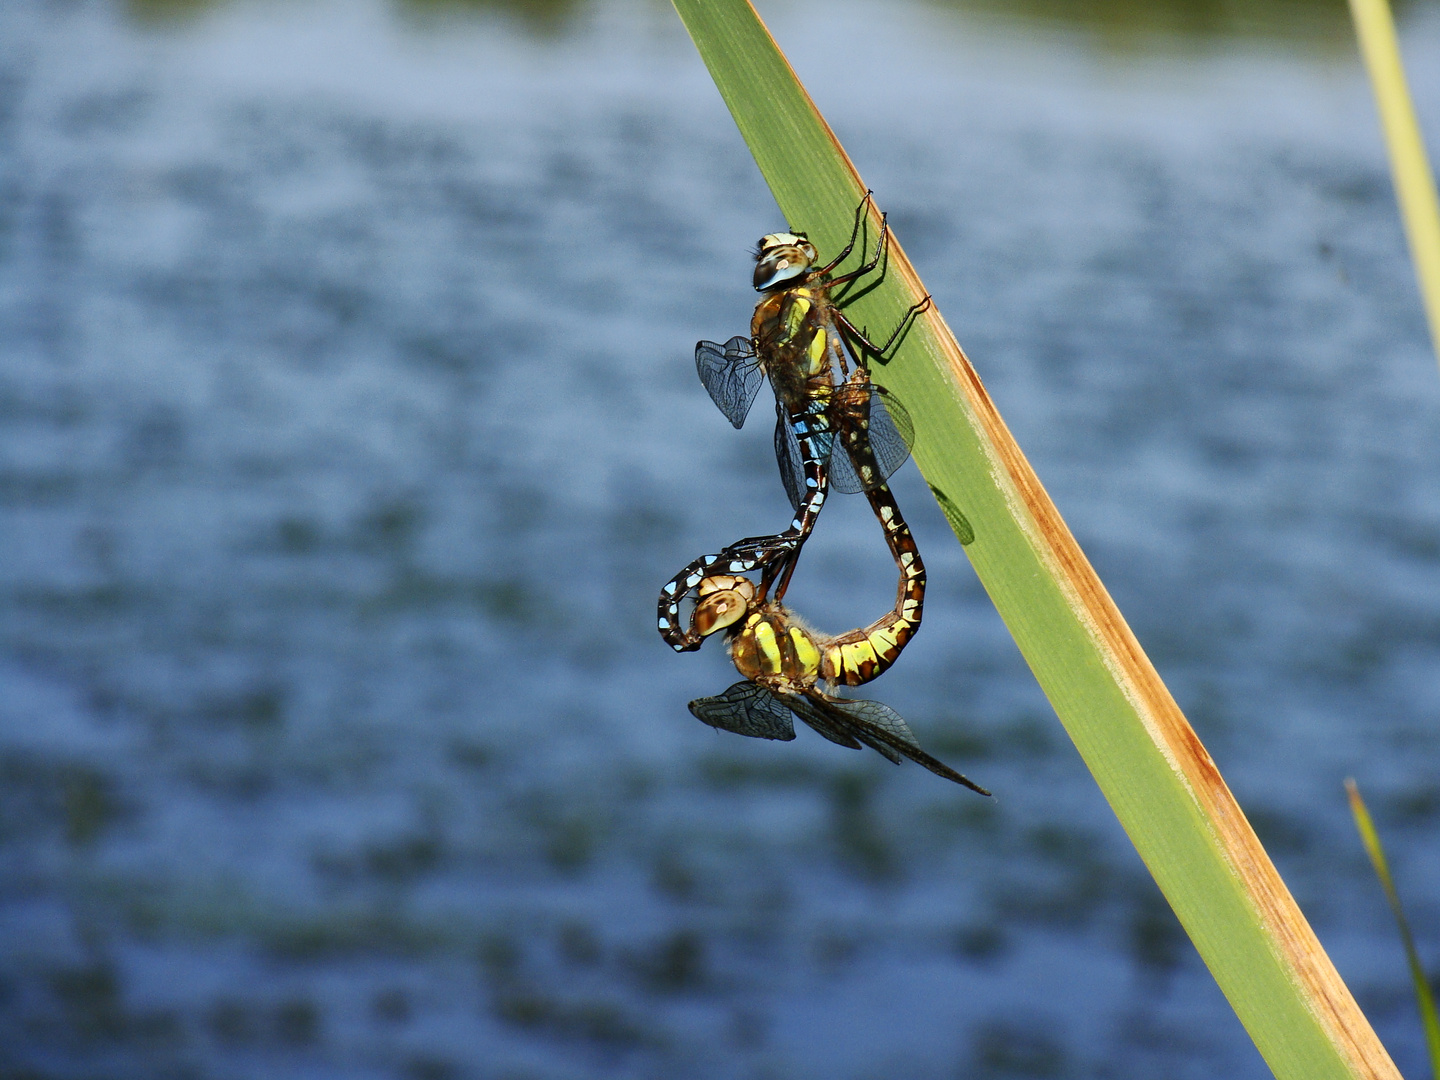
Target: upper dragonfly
(803, 342)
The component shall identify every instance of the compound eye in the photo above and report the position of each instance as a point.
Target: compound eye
(716, 582)
(717, 611)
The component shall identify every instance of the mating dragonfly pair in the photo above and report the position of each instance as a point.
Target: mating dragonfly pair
(834, 428)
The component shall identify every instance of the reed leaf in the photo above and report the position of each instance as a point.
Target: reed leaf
(1409, 165)
(1158, 778)
(1423, 997)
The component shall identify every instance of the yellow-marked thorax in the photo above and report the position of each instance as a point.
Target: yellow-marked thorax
(769, 648)
(795, 339)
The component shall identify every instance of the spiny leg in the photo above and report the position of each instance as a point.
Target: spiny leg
(878, 351)
(854, 235)
(773, 570)
(881, 245)
(784, 573)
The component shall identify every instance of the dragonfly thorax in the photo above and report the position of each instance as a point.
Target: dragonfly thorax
(796, 345)
(771, 648)
(780, 258)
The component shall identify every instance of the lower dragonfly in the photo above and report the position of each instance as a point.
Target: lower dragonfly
(785, 663)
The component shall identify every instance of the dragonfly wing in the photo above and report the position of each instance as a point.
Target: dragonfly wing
(787, 453)
(860, 732)
(877, 716)
(891, 435)
(821, 722)
(883, 729)
(746, 709)
(731, 373)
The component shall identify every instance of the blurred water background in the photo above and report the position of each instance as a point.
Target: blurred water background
(348, 427)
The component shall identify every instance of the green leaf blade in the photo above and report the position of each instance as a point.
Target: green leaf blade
(1370, 837)
(1409, 164)
(1153, 770)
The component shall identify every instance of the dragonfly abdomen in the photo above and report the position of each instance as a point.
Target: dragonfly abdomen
(862, 655)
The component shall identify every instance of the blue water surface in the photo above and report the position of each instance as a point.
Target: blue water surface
(348, 429)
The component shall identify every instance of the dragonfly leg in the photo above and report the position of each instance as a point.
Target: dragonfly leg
(784, 582)
(878, 351)
(881, 246)
(767, 579)
(854, 235)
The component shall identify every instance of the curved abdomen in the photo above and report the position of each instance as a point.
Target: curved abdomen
(861, 655)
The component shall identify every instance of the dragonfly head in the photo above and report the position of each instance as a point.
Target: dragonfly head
(782, 257)
(723, 600)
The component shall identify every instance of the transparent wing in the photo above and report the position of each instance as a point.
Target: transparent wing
(787, 453)
(881, 728)
(878, 717)
(822, 723)
(746, 709)
(790, 457)
(731, 373)
(891, 434)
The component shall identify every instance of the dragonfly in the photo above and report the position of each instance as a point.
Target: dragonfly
(788, 667)
(800, 340)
